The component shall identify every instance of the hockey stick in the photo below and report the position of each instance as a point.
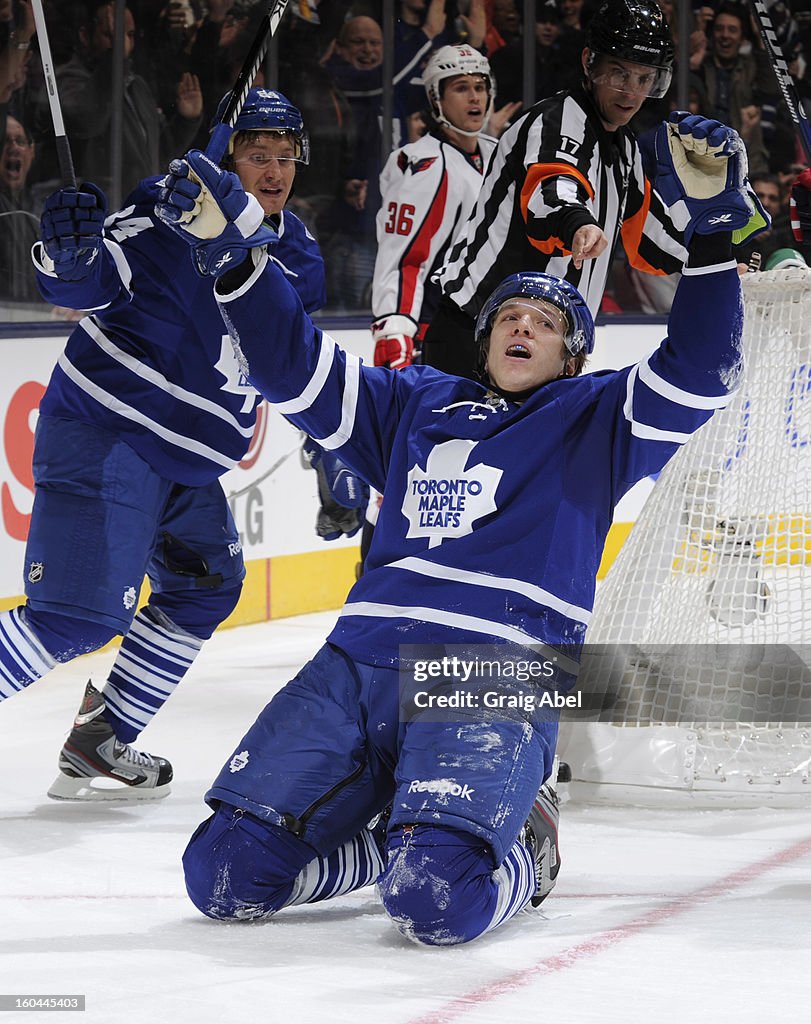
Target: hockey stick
(62, 145)
(784, 80)
(218, 143)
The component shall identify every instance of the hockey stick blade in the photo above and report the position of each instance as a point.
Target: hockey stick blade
(62, 145)
(221, 133)
(784, 79)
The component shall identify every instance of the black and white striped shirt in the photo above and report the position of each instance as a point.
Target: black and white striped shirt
(554, 170)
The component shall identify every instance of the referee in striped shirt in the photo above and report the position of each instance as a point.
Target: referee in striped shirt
(565, 182)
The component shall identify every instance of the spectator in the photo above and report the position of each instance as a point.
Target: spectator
(85, 88)
(347, 229)
(15, 42)
(737, 83)
(168, 49)
(219, 48)
(19, 215)
(571, 12)
(506, 25)
(422, 27)
(769, 191)
(557, 59)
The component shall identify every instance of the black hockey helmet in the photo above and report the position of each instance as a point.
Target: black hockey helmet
(636, 31)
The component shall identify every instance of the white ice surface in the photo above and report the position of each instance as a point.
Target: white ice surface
(672, 917)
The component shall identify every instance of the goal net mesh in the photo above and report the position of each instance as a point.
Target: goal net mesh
(703, 623)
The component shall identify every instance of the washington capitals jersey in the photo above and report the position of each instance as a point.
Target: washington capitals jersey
(152, 361)
(555, 169)
(494, 513)
(428, 189)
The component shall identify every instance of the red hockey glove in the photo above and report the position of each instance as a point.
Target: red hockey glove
(394, 341)
(800, 205)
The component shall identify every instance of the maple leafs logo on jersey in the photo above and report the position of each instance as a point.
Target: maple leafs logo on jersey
(445, 499)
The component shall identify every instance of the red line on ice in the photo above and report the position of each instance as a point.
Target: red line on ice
(455, 1008)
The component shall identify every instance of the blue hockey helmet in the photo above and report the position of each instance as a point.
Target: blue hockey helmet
(579, 334)
(266, 110)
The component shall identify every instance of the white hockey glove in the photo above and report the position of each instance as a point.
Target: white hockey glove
(701, 176)
(211, 211)
(394, 341)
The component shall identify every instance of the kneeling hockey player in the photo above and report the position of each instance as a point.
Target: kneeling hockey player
(536, 457)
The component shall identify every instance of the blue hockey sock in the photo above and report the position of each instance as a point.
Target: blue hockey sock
(23, 659)
(153, 658)
(352, 866)
(515, 882)
(239, 867)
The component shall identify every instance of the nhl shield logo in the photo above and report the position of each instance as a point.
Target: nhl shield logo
(36, 570)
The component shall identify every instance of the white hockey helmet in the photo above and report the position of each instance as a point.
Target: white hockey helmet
(448, 62)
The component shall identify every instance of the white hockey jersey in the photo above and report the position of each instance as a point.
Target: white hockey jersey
(428, 189)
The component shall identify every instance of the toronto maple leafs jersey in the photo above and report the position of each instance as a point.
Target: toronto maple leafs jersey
(554, 170)
(428, 189)
(152, 361)
(495, 513)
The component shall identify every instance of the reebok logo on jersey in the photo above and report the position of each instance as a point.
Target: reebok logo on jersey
(238, 761)
(445, 499)
(225, 258)
(722, 218)
(442, 787)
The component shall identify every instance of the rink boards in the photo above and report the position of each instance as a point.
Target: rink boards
(272, 495)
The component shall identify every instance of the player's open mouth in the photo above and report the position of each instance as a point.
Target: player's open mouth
(518, 352)
(13, 166)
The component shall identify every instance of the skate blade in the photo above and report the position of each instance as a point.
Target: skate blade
(100, 788)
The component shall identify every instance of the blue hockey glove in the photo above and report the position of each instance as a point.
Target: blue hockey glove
(211, 211)
(343, 495)
(72, 225)
(700, 174)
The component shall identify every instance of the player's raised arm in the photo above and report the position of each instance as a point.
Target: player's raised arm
(300, 370)
(701, 174)
(76, 265)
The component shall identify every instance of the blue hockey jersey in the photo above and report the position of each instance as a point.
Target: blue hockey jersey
(152, 360)
(495, 513)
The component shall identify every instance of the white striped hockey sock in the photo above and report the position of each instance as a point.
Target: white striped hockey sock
(153, 658)
(23, 659)
(351, 866)
(516, 883)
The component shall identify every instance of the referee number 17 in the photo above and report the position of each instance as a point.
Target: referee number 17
(401, 219)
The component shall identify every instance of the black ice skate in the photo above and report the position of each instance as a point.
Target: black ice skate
(94, 765)
(541, 834)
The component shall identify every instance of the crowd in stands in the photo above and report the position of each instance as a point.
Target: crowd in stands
(180, 58)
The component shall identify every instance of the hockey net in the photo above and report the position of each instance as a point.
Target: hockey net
(703, 625)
